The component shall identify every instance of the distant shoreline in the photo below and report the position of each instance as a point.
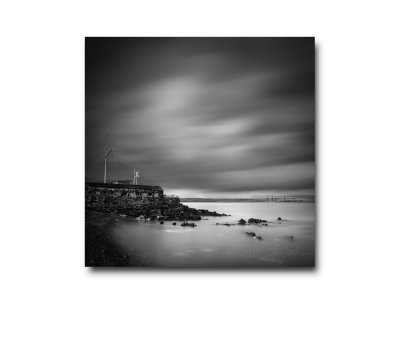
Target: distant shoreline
(243, 200)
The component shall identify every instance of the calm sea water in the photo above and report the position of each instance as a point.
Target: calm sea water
(217, 246)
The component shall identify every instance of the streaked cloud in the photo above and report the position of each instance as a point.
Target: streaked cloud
(203, 115)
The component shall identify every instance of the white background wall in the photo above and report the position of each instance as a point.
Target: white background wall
(47, 296)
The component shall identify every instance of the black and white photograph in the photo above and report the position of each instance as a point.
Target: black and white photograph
(199, 172)
(200, 152)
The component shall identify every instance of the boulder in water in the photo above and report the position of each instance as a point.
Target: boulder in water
(251, 234)
(190, 224)
(251, 220)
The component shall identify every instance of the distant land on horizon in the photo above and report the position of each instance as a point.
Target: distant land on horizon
(280, 199)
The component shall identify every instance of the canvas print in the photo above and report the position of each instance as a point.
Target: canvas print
(200, 152)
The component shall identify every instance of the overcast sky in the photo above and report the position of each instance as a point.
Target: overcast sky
(205, 117)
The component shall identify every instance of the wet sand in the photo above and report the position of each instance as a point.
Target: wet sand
(100, 249)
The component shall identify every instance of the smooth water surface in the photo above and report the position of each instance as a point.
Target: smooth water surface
(217, 246)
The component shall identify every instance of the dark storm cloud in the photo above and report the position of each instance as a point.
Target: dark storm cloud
(220, 114)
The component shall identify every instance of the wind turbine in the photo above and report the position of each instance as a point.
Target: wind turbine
(107, 152)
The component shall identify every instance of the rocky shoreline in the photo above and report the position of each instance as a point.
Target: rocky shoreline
(105, 202)
(147, 201)
(166, 210)
(100, 251)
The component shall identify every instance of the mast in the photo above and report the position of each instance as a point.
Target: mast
(105, 169)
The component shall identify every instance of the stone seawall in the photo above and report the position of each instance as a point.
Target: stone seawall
(139, 200)
(133, 199)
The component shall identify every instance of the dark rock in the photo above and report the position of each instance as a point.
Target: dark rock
(161, 222)
(279, 219)
(256, 221)
(190, 224)
(174, 223)
(259, 238)
(242, 222)
(204, 212)
(251, 234)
